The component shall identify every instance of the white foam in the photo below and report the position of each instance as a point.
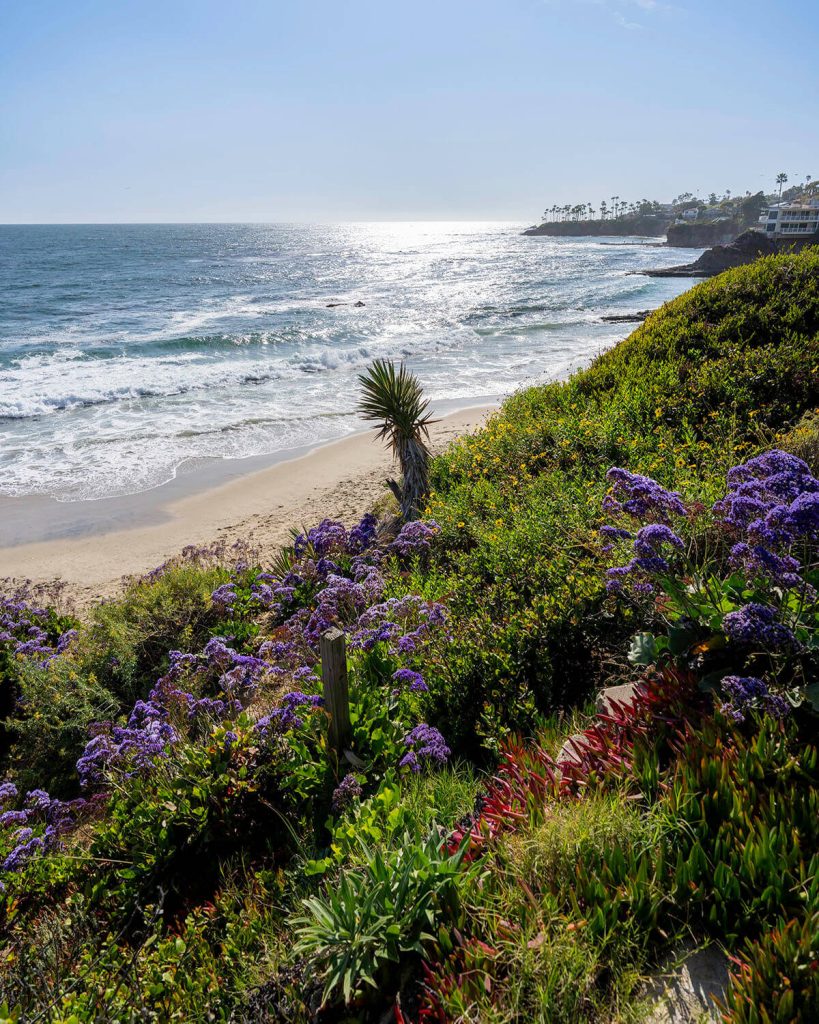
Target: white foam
(231, 357)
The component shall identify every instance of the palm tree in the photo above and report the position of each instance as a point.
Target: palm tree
(781, 179)
(394, 399)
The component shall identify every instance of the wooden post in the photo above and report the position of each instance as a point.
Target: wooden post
(333, 647)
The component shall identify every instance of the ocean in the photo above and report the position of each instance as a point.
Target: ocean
(129, 351)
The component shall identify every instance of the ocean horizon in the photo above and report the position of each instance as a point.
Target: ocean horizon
(128, 351)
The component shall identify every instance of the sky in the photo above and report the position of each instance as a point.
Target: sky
(336, 110)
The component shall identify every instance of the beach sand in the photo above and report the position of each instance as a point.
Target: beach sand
(341, 480)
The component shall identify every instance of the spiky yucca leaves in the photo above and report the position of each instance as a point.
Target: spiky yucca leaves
(394, 398)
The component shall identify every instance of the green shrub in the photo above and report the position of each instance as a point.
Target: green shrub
(362, 931)
(57, 703)
(126, 641)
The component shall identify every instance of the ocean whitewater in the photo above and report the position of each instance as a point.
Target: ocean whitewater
(129, 351)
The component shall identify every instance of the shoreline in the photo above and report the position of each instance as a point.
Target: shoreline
(118, 537)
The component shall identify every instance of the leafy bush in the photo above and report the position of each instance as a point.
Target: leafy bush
(742, 609)
(49, 727)
(126, 641)
(371, 919)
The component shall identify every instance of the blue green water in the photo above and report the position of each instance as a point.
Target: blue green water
(126, 351)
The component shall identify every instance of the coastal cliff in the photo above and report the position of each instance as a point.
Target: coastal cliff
(696, 234)
(650, 225)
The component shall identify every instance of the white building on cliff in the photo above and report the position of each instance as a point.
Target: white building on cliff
(785, 220)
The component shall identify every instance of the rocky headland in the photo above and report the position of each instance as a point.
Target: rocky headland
(646, 225)
(749, 246)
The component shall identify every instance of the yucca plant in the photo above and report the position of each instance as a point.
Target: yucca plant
(394, 398)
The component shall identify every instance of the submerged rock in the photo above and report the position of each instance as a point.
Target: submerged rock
(627, 318)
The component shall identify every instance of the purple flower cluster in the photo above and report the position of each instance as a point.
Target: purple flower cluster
(773, 501)
(157, 723)
(224, 597)
(639, 496)
(24, 628)
(363, 536)
(288, 714)
(218, 553)
(403, 622)
(414, 681)
(330, 536)
(131, 748)
(55, 817)
(756, 625)
(650, 541)
(345, 793)
(415, 538)
(426, 747)
(747, 693)
(341, 602)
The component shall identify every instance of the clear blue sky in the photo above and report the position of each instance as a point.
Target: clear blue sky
(188, 110)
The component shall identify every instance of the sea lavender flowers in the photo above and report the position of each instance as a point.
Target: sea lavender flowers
(403, 622)
(413, 681)
(639, 496)
(756, 625)
(28, 630)
(773, 499)
(415, 538)
(747, 693)
(288, 715)
(650, 545)
(131, 748)
(54, 816)
(426, 747)
(345, 794)
(224, 597)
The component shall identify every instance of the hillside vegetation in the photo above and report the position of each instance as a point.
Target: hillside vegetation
(180, 842)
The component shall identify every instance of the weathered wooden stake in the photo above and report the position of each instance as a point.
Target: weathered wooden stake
(333, 647)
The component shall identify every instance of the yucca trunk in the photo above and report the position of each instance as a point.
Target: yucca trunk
(413, 457)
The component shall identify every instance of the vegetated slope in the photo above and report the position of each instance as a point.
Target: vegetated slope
(174, 894)
(725, 369)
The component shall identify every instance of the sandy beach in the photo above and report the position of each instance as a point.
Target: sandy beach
(340, 480)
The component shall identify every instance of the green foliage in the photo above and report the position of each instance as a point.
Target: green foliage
(173, 828)
(372, 918)
(535, 953)
(746, 812)
(776, 980)
(57, 703)
(126, 641)
(198, 968)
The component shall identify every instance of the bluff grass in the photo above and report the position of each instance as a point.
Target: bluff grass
(726, 369)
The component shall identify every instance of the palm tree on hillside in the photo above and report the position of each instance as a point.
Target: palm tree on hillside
(395, 400)
(781, 179)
